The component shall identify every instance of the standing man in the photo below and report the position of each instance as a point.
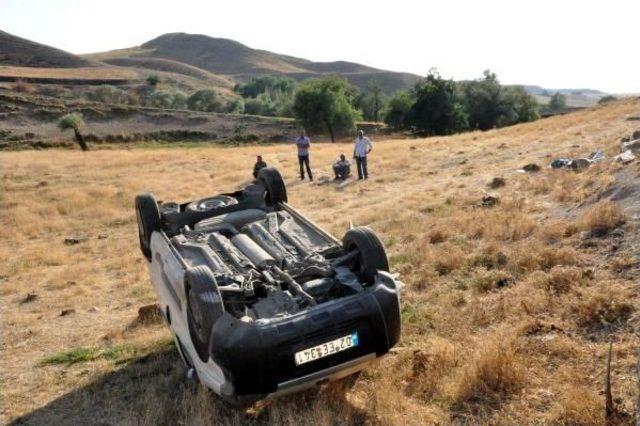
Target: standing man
(303, 143)
(260, 164)
(363, 146)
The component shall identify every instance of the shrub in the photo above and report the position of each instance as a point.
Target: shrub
(205, 100)
(108, 94)
(153, 80)
(608, 304)
(494, 372)
(602, 218)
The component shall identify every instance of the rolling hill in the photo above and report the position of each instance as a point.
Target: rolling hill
(18, 51)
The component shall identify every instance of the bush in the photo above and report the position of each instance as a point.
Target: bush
(205, 100)
(108, 94)
(167, 99)
(153, 80)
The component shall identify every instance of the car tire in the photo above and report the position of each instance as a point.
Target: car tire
(275, 189)
(204, 307)
(211, 203)
(148, 217)
(372, 256)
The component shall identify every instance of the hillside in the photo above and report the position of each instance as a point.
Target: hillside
(234, 59)
(17, 51)
(507, 313)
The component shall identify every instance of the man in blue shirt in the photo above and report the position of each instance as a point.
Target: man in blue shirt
(303, 143)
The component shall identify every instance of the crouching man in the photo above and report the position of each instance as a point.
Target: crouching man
(342, 168)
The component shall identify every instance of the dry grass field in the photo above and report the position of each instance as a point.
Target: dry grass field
(508, 310)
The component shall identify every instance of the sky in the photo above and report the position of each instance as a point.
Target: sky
(551, 43)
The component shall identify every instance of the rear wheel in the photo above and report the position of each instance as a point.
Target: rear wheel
(148, 217)
(211, 203)
(275, 189)
(371, 254)
(204, 307)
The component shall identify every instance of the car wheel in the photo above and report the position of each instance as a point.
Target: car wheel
(204, 307)
(372, 256)
(211, 203)
(275, 190)
(148, 217)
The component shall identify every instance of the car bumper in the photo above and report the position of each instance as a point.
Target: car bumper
(258, 359)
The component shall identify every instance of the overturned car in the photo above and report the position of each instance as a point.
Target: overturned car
(259, 299)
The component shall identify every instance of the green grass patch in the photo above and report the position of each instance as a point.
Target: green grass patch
(73, 356)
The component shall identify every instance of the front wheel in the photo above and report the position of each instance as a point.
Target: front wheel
(204, 307)
(372, 256)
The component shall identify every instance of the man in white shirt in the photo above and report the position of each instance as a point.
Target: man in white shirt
(304, 143)
(362, 147)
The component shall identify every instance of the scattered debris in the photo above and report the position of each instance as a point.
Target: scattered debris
(66, 312)
(505, 282)
(632, 145)
(71, 241)
(29, 298)
(149, 314)
(497, 182)
(93, 309)
(596, 156)
(625, 157)
(489, 201)
(531, 168)
(580, 163)
(560, 163)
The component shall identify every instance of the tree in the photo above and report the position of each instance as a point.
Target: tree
(153, 80)
(398, 108)
(483, 101)
(558, 102)
(372, 101)
(438, 109)
(204, 100)
(523, 105)
(74, 121)
(326, 103)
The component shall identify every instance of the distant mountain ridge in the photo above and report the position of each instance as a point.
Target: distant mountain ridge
(231, 58)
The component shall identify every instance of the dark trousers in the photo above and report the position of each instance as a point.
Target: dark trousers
(361, 165)
(304, 161)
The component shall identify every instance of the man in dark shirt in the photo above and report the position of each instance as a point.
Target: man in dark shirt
(260, 164)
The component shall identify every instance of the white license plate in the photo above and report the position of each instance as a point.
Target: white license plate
(326, 349)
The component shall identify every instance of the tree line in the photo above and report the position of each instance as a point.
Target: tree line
(434, 106)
